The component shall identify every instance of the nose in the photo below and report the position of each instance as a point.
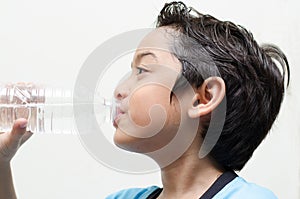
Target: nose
(121, 91)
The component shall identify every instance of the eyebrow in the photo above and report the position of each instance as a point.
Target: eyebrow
(144, 54)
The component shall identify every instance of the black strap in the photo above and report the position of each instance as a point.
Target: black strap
(155, 193)
(217, 186)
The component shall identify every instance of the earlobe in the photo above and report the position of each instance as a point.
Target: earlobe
(209, 95)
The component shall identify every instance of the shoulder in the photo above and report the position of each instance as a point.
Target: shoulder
(240, 188)
(133, 193)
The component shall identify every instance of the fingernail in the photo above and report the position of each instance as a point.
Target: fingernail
(22, 126)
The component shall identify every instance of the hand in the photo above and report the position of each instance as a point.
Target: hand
(10, 142)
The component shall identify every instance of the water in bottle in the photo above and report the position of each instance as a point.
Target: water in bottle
(48, 110)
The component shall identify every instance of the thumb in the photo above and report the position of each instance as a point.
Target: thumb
(18, 131)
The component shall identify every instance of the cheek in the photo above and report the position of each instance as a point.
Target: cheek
(140, 104)
(143, 99)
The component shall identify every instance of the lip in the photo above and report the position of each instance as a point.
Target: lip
(119, 113)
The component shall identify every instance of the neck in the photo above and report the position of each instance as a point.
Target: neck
(189, 176)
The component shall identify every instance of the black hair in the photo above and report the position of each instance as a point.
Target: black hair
(254, 83)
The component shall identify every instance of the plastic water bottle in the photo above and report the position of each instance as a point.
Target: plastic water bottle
(48, 110)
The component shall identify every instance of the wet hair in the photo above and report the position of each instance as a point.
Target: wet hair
(254, 83)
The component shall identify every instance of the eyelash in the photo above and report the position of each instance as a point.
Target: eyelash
(139, 70)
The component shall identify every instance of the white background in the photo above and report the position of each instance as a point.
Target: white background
(48, 41)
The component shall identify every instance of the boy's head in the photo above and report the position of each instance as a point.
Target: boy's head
(202, 46)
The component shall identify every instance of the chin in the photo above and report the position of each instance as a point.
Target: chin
(140, 145)
(128, 143)
(123, 140)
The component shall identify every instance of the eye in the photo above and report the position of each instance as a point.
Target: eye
(140, 70)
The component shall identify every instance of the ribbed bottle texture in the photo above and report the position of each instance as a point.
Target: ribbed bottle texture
(48, 110)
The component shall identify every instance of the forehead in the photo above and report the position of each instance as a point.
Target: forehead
(156, 46)
(159, 38)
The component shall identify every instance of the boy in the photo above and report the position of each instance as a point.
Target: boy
(191, 66)
(254, 89)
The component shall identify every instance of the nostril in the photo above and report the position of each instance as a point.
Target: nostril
(119, 96)
(122, 90)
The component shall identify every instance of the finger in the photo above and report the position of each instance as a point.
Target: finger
(25, 137)
(18, 131)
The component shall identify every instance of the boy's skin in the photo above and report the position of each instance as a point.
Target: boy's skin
(10, 142)
(188, 176)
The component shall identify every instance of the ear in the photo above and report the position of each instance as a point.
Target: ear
(207, 97)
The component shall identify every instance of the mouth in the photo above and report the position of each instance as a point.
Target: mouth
(117, 116)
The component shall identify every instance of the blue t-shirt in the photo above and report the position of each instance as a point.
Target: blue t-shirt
(238, 188)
